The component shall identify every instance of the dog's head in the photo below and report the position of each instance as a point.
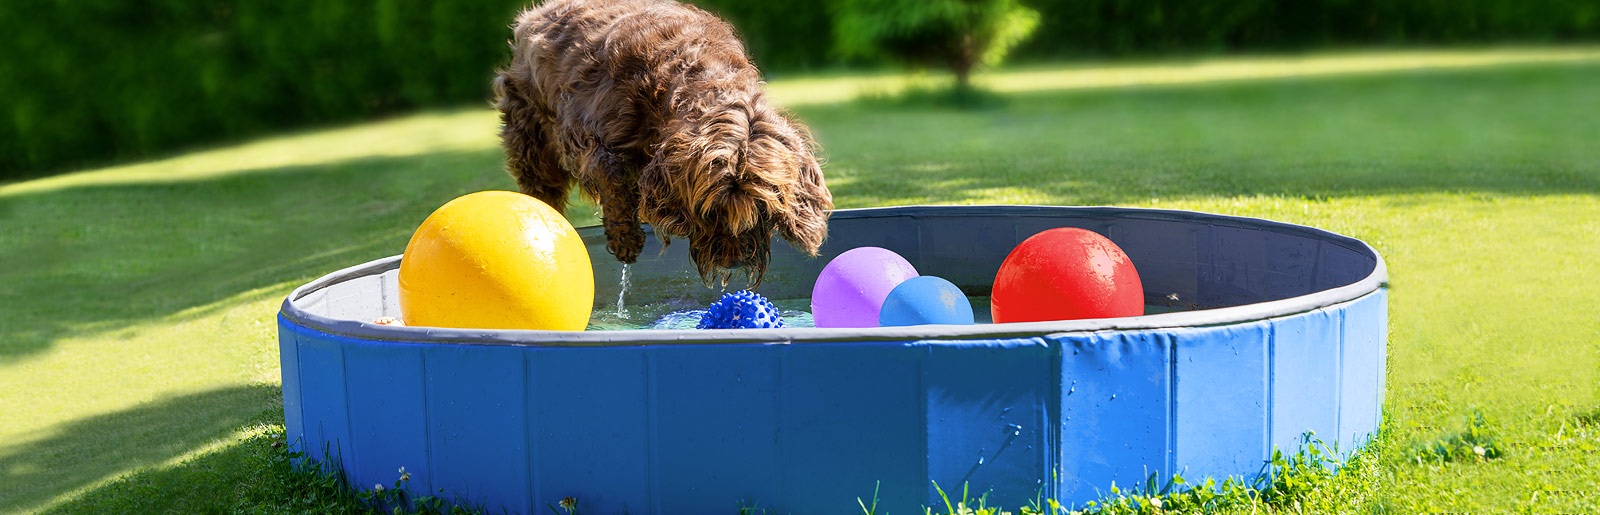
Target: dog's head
(730, 179)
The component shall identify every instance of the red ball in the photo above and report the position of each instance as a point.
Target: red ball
(1066, 274)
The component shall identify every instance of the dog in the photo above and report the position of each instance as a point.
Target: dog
(654, 110)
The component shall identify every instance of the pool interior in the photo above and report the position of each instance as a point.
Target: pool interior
(1187, 262)
(685, 314)
(664, 304)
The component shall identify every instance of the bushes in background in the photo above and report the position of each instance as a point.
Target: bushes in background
(85, 81)
(956, 34)
(88, 80)
(1110, 27)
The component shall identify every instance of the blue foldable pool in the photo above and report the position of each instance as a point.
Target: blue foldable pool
(1267, 331)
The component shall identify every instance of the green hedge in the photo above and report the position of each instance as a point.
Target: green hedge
(87, 81)
(1112, 27)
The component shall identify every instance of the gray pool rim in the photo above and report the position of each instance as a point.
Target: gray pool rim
(1373, 281)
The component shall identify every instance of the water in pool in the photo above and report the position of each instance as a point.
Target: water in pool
(681, 314)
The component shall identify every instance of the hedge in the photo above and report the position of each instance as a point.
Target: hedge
(87, 81)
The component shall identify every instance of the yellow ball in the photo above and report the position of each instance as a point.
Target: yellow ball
(496, 260)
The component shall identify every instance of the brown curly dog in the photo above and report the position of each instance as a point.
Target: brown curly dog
(653, 108)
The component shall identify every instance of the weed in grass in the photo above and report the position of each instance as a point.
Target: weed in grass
(967, 505)
(569, 506)
(1287, 483)
(1587, 420)
(307, 486)
(323, 487)
(1580, 435)
(1476, 443)
(754, 509)
(872, 510)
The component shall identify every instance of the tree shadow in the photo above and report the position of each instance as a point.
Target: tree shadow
(82, 452)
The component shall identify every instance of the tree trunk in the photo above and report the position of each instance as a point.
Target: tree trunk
(966, 59)
(963, 75)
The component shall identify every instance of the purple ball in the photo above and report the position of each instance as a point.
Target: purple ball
(851, 289)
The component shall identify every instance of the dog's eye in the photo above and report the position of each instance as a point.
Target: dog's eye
(721, 162)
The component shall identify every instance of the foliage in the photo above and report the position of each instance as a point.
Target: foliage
(93, 80)
(959, 34)
(779, 36)
(96, 79)
(1102, 27)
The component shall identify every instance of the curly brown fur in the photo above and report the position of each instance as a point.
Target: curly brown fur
(653, 108)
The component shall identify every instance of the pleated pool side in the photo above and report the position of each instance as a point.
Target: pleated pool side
(1280, 332)
(809, 427)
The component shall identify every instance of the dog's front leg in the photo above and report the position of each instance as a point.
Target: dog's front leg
(615, 185)
(531, 157)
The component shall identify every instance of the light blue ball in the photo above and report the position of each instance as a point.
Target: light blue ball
(925, 300)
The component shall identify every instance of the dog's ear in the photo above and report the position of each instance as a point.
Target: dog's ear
(661, 195)
(805, 222)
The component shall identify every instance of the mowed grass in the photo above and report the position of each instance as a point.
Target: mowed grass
(138, 352)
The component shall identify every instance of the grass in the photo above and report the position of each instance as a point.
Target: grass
(138, 356)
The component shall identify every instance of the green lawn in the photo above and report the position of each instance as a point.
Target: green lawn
(138, 352)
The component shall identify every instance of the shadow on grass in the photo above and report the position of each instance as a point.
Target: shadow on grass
(82, 452)
(205, 483)
(99, 258)
(950, 96)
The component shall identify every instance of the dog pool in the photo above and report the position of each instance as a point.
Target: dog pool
(1263, 332)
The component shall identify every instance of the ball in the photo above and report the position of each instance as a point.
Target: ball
(743, 310)
(851, 289)
(1066, 274)
(925, 300)
(496, 260)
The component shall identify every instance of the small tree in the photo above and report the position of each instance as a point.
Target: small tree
(960, 34)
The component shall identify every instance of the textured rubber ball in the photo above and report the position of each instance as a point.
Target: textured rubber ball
(741, 310)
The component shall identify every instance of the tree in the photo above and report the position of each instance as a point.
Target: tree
(959, 34)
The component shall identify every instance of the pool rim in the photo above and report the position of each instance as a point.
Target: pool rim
(1373, 281)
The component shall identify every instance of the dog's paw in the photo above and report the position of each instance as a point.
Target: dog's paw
(624, 241)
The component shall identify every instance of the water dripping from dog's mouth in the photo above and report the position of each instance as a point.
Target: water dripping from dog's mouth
(622, 290)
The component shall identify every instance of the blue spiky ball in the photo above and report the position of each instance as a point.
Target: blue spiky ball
(741, 310)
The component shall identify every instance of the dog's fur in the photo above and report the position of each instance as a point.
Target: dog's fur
(653, 108)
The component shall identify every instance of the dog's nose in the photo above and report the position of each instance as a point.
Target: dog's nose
(735, 264)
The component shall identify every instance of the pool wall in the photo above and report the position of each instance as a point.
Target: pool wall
(808, 420)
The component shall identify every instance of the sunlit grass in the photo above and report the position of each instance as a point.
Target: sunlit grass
(824, 90)
(452, 131)
(137, 336)
(474, 129)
